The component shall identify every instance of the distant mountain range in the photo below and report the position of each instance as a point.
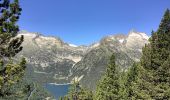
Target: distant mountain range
(51, 60)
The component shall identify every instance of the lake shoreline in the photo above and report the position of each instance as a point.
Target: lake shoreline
(59, 84)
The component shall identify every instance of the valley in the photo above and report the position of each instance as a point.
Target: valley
(51, 60)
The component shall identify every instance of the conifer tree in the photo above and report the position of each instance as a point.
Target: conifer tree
(77, 92)
(136, 85)
(10, 45)
(108, 87)
(123, 95)
(131, 82)
(155, 60)
(160, 51)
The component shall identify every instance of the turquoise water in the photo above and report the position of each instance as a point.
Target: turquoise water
(57, 90)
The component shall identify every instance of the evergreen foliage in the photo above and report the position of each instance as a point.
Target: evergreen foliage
(155, 60)
(77, 92)
(10, 45)
(27, 90)
(137, 85)
(131, 82)
(9, 15)
(108, 87)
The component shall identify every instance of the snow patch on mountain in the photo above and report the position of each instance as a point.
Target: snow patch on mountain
(73, 45)
(144, 36)
(28, 35)
(121, 40)
(95, 45)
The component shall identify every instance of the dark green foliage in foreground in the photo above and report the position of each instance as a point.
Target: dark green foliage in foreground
(9, 15)
(76, 92)
(12, 84)
(108, 87)
(132, 80)
(10, 45)
(137, 85)
(155, 61)
(39, 93)
(10, 74)
(18, 91)
(162, 75)
(25, 89)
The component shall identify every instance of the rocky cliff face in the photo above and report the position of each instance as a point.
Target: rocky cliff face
(52, 60)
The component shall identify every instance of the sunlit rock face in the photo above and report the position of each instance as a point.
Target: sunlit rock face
(51, 60)
(136, 40)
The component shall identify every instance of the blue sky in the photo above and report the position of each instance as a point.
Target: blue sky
(87, 21)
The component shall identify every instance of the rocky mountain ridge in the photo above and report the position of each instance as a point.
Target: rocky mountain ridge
(51, 60)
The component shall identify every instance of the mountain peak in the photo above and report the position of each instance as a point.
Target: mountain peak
(133, 33)
(40, 39)
(136, 39)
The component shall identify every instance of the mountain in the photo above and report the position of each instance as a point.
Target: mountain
(127, 49)
(51, 60)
